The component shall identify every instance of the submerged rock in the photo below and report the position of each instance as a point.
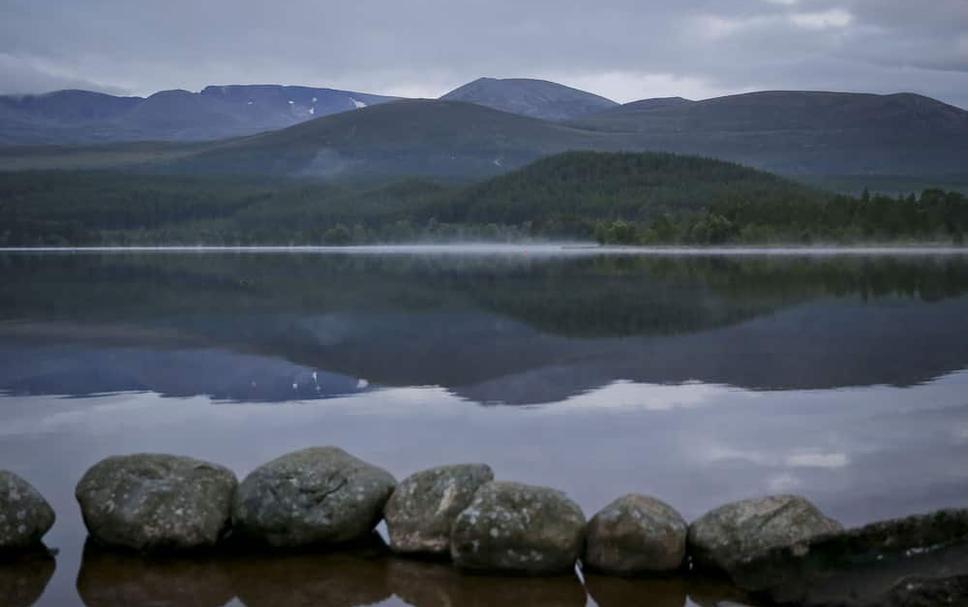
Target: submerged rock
(153, 502)
(908, 561)
(25, 516)
(321, 495)
(725, 537)
(517, 527)
(636, 534)
(422, 509)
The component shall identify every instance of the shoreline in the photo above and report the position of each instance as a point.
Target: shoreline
(562, 249)
(779, 549)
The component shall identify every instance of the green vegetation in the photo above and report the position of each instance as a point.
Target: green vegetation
(613, 198)
(934, 216)
(891, 185)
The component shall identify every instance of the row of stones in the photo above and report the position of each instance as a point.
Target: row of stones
(325, 496)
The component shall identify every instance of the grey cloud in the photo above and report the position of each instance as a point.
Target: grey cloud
(629, 48)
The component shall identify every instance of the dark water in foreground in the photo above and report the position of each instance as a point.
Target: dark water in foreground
(696, 379)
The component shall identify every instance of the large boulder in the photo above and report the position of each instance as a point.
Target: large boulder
(519, 528)
(321, 495)
(154, 502)
(729, 535)
(423, 507)
(908, 561)
(25, 516)
(636, 534)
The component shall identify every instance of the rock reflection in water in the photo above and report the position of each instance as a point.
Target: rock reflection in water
(337, 579)
(24, 578)
(677, 591)
(363, 575)
(431, 584)
(109, 578)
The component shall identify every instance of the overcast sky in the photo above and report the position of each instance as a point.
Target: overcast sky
(623, 49)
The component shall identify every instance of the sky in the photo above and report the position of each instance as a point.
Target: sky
(622, 49)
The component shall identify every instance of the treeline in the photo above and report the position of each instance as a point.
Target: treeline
(932, 216)
(612, 198)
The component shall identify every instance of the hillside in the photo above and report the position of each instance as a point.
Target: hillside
(624, 198)
(528, 97)
(796, 132)
(882, 142)
(440, 139)
(84, 117)
(569, 192)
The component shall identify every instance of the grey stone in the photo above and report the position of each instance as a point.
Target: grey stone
(320, 495)
(636, 534)
(25, 516)
(725, 537)
(422, 509)
(929, 592)
(519, 528)
(895, 562)
(155, 502)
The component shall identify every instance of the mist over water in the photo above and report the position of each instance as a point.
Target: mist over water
(699, 377)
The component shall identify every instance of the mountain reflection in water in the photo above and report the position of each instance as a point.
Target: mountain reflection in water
(700, 380)
(492, 329)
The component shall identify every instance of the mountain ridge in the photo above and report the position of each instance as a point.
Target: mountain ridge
(215, 112)
(798, 133)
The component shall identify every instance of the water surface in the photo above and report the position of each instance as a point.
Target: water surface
(696, 378)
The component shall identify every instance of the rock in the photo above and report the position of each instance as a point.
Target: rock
(108, 578)
(423, 507)
(422, 583)
(929, 592)
(153, 502)
(636, 534)
(25, 516)
(24, 577)
(866, 566)
(321, 495)
(519, 528)
(722, 538)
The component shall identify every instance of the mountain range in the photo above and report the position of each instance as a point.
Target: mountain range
(484, 128)
(213, 113)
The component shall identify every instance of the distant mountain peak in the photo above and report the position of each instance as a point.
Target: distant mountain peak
(531, 97)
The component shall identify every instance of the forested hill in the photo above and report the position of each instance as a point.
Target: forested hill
(577, 187)
(612, 197)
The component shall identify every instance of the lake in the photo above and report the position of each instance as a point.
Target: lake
(696, 377)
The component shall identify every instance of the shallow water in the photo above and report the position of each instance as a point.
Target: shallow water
(698, 379)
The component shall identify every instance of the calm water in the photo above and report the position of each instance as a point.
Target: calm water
(698, 379)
